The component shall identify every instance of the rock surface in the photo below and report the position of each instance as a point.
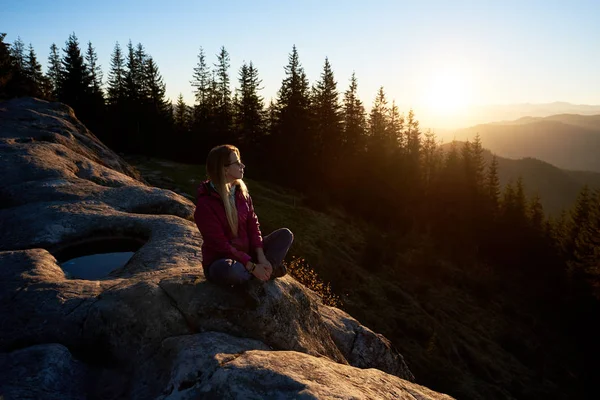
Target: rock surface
(154, 328)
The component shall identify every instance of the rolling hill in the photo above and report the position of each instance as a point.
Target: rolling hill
(558, 188)
(568, 141)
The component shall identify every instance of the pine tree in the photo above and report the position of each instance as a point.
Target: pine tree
(133, 77)
(271, 115)
(143, 61)
(250, 116)
(222, 93)
(413, 139)
(116, 77)
(508, 202)
(535, 214)
(91, 59)
(33, 69)
(327, 120)
(354, 121)
(54, 70)
(74, 78)
(431, 160)
(97, 101)
(520, 202)
(293, 134)
(39, 84)
(378, 124)
(579, 231)
(17, 52)
(492, 186)
(158, 117)
(396, 127)
(180, 116)
(478, 164)
(203, 137)
(201, 80)
(154, 85)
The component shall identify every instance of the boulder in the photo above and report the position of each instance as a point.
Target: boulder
(154, 328)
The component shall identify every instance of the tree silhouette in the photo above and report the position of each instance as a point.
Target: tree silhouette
(33, 73)
(54, 70)
(379, 145)
(354, 121)
(249, 108)
(222, 98)
(292, 142)
(74, 84)
(327, 125)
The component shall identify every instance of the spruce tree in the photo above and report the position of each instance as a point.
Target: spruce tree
(74, 78)
(250, 115)
(91, 59)
(354, 121)
(520, 202)
(378, 123)
(579, 228)
(203, 137)
(97, 101)
(431, 160)
(17, 52)
(158, 116)
(492, 186)
(508, 202)
(477, 165)
(116, 78)
(535, 214)
(180, 115)
(143, 61)
(395, 128)
(412, 133)
(327, 120)
(201, 80)
(54, 70)
(293, 135)
(134, 77)
(33, 69)
(223, 104)
(38, 83)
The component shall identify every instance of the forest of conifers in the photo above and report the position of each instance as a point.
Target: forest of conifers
(319, 140)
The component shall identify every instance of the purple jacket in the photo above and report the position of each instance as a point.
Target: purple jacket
(218, 240)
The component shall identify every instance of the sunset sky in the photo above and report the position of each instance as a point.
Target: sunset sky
(439, 57)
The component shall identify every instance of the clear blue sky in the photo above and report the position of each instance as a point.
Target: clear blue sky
(435, 56)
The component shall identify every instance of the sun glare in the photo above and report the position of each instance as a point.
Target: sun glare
(447, 93)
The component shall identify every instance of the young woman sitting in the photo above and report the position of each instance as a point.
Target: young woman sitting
(233, 249)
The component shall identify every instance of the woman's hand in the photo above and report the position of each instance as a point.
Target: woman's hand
(262, 259)
(262, 271)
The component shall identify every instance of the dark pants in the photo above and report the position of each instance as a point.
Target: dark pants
(231, 272)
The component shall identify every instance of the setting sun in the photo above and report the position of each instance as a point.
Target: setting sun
(447, 92)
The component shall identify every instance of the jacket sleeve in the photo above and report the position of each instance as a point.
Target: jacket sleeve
(256, 240)
(214, 235)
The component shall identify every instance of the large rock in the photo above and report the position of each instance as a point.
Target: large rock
(155, 323)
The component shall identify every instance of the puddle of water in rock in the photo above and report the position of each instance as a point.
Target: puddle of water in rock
(95, 266)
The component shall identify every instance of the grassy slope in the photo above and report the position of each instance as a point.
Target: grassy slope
(460, 330)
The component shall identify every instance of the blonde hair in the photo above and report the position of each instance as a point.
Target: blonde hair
(216, 162)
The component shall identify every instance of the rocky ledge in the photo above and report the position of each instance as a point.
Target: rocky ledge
(154, 328)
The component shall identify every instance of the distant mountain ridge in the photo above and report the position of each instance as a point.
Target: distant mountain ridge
(568, 141)
(510, 112)
(557, 188)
